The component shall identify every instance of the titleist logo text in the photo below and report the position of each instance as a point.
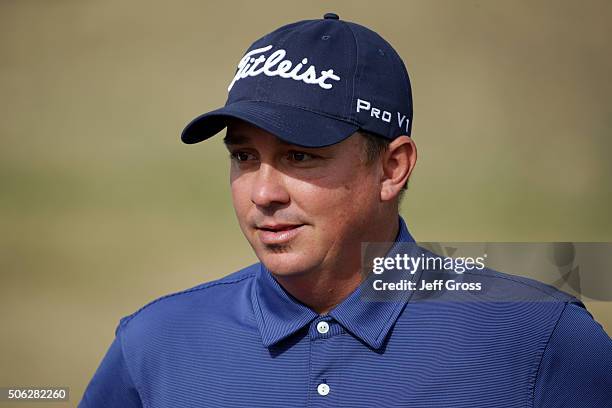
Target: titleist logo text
(276, 65)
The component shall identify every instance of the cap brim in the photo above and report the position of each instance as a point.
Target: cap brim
(293, 125)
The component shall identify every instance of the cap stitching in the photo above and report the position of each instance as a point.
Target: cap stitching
(356, 73)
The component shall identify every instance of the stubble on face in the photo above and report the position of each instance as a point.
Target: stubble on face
(278, 249)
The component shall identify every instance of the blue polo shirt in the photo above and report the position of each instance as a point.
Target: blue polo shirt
(242, 341)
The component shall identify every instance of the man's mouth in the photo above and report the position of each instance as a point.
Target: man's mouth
(277, 234)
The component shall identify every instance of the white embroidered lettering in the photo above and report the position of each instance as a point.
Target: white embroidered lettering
(382, 114)
(283, 68)
(272, 60)
(310, 75)
(242, 65)
(362, 105)
(324, 75)
(276, 65)
(400, 119)
(252, 70)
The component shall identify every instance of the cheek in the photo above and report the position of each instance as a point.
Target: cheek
(240, 198)
(340, 199)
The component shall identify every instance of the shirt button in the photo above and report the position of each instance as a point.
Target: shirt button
(322, 327)
(323, 389)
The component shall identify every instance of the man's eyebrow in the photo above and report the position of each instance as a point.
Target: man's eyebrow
(235, 139)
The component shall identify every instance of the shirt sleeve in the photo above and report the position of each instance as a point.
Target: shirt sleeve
(576, 367)
(111, 385)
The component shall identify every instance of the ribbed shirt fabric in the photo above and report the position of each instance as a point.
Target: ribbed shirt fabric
(242, 341)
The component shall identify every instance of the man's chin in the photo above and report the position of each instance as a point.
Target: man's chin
(286, 263)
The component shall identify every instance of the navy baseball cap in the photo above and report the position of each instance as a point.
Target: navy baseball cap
(314, 83)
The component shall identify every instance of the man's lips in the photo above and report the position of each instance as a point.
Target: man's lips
(276, 234)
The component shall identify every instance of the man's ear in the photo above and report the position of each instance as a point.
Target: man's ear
(397, 164)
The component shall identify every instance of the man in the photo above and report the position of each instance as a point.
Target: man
(318, 118)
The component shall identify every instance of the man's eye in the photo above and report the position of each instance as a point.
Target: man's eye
(300, 156)
(241, 156)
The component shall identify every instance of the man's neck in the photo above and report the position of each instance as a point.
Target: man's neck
(319, 290)
(325, 288)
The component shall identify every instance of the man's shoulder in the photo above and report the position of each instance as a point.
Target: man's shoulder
(511, 302)
(496, 299)
(510, 287)
(207, 298)
(488, 284)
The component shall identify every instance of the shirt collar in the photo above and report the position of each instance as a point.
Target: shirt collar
(279, 315)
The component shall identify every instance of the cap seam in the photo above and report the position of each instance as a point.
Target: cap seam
(292, 34)
(407, 85)
(355, 74)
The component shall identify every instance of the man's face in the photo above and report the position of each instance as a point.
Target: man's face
(302, 208)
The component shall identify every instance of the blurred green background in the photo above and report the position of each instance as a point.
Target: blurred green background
(102, 209)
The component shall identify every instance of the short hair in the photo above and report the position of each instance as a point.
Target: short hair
(374, 146)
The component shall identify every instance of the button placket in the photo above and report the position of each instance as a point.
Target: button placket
(325, 340)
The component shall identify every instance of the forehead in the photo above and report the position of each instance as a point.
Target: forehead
(240, 132)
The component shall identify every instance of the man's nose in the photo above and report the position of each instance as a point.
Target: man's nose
(268, 187)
